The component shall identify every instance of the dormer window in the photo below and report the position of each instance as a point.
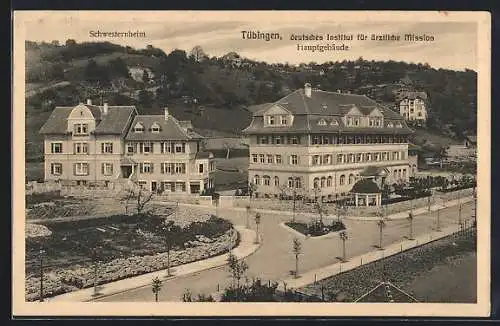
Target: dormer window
(139, 127)
(81, 129)
(271, 120)
(334, 123)
(322, 122)
(399, 125)
(390, 125)
(284, 120)
(155, 128)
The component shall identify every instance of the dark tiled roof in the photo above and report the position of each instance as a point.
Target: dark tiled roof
(114, 122)
(170, 129)
(308, 111)
(365, 186)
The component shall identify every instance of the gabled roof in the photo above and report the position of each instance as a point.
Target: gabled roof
(365, 186)
(387, 292)
(170, 129)
(328, 105)
(114, 122)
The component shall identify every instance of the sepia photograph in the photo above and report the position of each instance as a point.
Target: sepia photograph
(323, 163)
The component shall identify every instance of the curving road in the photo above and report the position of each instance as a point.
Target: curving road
(274, 259)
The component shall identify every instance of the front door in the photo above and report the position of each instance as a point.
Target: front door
(153, 185)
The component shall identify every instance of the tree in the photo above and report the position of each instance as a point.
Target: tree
(198, 54)
(247, 209)
(118, 68)
(168, 230)
(381, 224)
(145, 98)
(252, 188)
(70, 42)
(157, 284)
(237, 268)
(343, 236)
(321, 209)
(228, 146)
(145, 76)
(96, 74)
(257, 222)
(410, 220)
(297, 250)
(141, 198)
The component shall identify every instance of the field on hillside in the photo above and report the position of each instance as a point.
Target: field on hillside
(423, 135)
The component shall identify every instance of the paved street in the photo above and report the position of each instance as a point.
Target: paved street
(274, 259)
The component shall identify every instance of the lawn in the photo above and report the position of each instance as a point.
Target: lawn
(316, 229)
(127, 245)
(231, 174)
(440, 271)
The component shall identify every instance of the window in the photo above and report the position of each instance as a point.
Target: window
(56, 148)
(294, 159)
(390, 125)
(322, 122)
(107, 168)
(267, 180)
(399, 125)
(81, 148)
(180, 168)
(264, 140)
(316, 183)
(167, 168)
(262, 158)
(358, 157)
(166, 147)
(290, 182)
(155, 128)
(180, 148)
(81, 129)
(404, 173)
(327, 159)
(278, 159)
(340, 158)
(351, 158)
(284, 120)
(56, 168)
(271, 120)
(107, 148)
(315, 140)
(200, 168)
(146, 167)
(329, 181)
(315, 160)
(394, 156)
(270, 159)
(278, 140)
(295, 140)
(323, 182)
(146, 148)
(139, 128)
(298, 183)
(377, 156)
(356, 121)
(369, 157)
(255, 158)
(334, 123)
(81, 168)
(351, 179)
(326, 140)
(130, 148)
(342, 180)
(256, 180)
(276, 181)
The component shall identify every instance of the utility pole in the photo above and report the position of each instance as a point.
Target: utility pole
(42, 252)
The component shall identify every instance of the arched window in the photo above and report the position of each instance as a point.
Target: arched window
(322, 122)
(276, 181)
(316, 183)
(267, 180)
(351, 178)
(329, 181)
(298, 183)
(323, 182)
(404, 173)
(256, 180)
(290, 182)
(342, 180)
(395, 173)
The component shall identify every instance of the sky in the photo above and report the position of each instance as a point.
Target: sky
(454, 46)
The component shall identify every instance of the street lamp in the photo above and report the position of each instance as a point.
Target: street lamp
(257, 222)
(96, 262)
(41, 252)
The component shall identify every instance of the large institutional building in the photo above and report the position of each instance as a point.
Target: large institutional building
(313, 139)
(102, 145)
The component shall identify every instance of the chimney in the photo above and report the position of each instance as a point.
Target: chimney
(307, 89)
(105, 109)
(166, 114)
(89, 102)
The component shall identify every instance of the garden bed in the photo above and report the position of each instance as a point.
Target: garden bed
(411, 271)
(127, 246)
(316, 229)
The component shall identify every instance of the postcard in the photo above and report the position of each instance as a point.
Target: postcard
(251, 163)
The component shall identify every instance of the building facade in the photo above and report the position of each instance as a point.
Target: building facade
(413, 106)
(101, 145)
(320, 141)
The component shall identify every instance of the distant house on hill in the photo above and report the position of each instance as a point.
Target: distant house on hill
(413, 106)
(137, 73)
(233, 58)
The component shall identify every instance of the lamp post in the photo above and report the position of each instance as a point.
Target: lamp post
(95, 259)
(42, 252)
(257, 222)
